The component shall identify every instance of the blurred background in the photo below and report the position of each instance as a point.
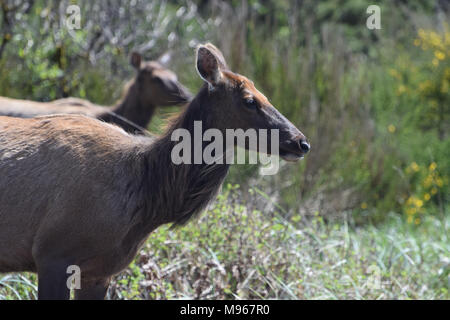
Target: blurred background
(364, 215)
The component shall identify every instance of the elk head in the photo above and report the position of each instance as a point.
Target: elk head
(157, 85)
(235, 103)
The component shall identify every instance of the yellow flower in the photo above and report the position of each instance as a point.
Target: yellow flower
(439, 55)
(432, 166)
(410, 219)
(363, 205)
(411, 211)
(401, 89)
(415, 166)
(439, 182)
(417, 221)
(434, 190)
(427, 196)
(419, 203)
(435, 39)
(391, 128)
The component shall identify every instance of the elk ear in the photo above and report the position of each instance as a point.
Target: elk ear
(135, 60)
(209, 64)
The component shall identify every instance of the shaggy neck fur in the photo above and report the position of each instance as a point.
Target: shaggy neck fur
(175, 193)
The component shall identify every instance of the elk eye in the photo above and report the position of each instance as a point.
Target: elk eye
(250, 103)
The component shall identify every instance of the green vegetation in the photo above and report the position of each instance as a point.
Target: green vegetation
(236, 251)
(370, 199)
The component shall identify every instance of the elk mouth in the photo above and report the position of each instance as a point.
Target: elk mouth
(176, 93)
(289, 155)
(183, 94)
(293, 150)
(180, 97)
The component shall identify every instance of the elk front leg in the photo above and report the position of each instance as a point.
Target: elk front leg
(52, 282)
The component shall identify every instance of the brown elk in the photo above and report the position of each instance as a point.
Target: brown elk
(153, 86)
(76, 191)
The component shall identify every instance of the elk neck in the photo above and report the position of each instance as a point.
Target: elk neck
(173, 193)
(133, 108)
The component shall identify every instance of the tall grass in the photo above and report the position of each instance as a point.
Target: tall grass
(235, 251)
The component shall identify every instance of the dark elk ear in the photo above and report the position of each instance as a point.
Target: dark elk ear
(135, 60)
(210, 63)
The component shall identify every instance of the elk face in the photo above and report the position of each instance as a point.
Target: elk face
(237, 104)
(157, 85)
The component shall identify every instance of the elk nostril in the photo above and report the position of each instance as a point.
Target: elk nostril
(304, 146)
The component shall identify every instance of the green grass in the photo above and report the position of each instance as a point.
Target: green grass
(236, 252)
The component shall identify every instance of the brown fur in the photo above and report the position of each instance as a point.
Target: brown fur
(153, 86)
(76, 191)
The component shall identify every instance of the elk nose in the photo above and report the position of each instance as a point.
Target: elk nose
(304, 146)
